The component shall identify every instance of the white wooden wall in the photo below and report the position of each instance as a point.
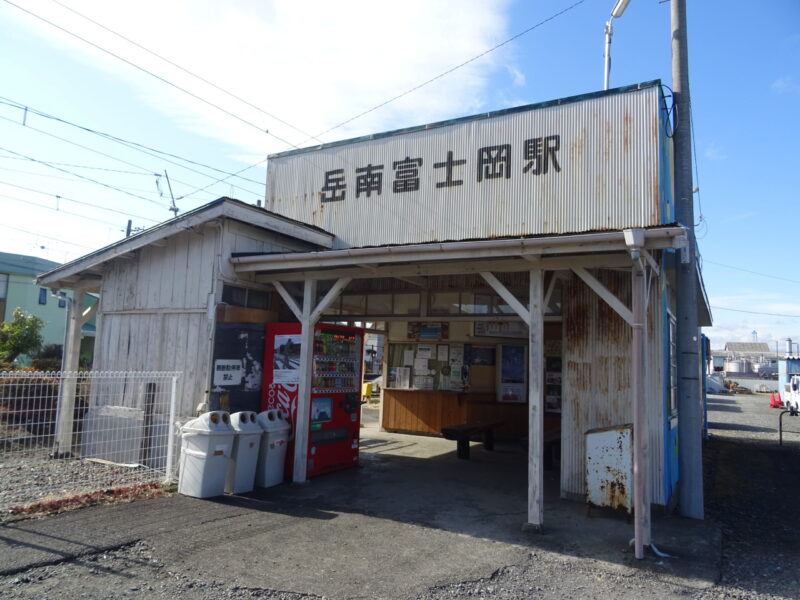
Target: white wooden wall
(596, 376)
(158, 307)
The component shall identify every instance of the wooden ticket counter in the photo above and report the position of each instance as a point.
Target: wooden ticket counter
(442, 383)
(417, 411)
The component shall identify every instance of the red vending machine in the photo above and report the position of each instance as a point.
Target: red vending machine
(335, 406)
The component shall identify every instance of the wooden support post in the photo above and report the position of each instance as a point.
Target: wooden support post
(640, 427)
(304, 388)
(70, 363)
(536, 401)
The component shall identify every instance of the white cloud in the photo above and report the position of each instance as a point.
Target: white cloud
(715, 152)
(785, 85)
(517, 76)
(312, 64)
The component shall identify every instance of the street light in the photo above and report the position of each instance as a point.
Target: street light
(616, 13)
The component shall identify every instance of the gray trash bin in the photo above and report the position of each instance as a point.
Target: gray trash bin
(206, 444)
(272, 454)
(242, 467)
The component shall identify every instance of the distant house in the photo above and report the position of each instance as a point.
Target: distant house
(18, 289)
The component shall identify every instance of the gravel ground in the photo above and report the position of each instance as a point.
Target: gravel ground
(751, 488)
(28, 474)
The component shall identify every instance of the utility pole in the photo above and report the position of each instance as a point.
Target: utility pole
(690, 394)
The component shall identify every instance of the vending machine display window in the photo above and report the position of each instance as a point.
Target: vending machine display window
(321, 410)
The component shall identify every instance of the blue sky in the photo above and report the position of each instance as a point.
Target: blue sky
(315, 64)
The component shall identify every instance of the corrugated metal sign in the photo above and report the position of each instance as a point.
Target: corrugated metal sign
(609, 467)
(583, 165)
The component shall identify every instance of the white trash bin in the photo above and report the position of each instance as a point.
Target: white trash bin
(242, 468)
(206, 444)
(272, 454)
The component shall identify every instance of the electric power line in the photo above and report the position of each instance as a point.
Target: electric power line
(187, 71)
(62, 178)
(106, 185)
(58, 196)
(752, 272)
(151, 74)
(74, 166)
(447, 72)
(37, 234)
(59, 210)
(753, 312)
(201, 189)
(154, 152)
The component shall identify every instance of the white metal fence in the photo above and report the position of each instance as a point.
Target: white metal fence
(72, 433)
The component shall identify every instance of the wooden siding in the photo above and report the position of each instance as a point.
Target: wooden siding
(597, 377)
(158, 305)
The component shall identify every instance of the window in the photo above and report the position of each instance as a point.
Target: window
(3, 295)
(379, 304)
(475, 304)
(444, 303)
(406, 304)
(62, 299)
(42, 296)
(239, 296)
(354, 304)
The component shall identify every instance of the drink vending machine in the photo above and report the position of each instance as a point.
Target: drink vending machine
(335, 404)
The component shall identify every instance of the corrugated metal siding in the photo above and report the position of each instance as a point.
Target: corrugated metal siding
(610, 159)
(597, 377)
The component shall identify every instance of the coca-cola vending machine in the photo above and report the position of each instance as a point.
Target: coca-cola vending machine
(335, 404)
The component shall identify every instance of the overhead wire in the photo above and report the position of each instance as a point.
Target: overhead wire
(448, 71)
(47, 237)
(187, 71)
(105, 185)
(59, 210)
(753, 272)
(62, 178)
(150, 151)
(60, 197)
(62, 164)
(755, 312)
(201, 189)
(241, 119)
(154, 75)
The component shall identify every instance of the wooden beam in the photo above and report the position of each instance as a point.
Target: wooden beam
(618, 260)
(506, 295)
(549, 293)
(301, 424)
(641, 484)
(651, 261)
(332, 295)
(604, 293)
(288, 299)
(536, 402)
(89, 313)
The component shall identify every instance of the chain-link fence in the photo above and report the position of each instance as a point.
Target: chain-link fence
(72, 433)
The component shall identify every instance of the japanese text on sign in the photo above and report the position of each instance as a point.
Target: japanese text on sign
(539, 156)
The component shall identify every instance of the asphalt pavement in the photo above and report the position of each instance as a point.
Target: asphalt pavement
(412, 516)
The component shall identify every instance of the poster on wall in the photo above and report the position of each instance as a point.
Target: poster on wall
(238, 366)
(552, 388)
(425, 352)
(428, 331)
(507, 329)
(286, 364)
(513, 369)
(480, 355)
